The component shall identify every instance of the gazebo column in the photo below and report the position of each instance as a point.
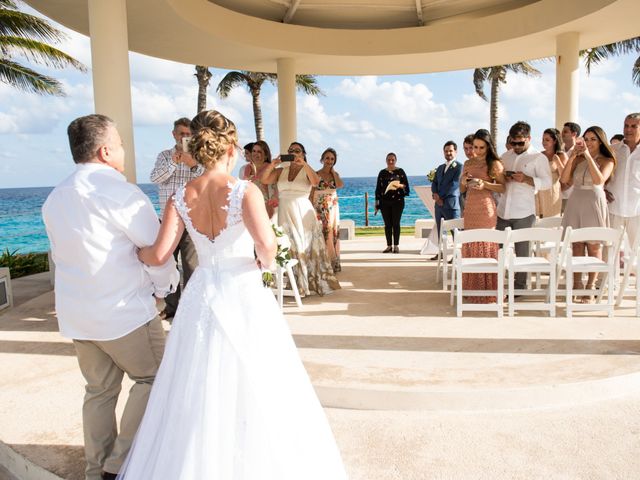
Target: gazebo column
(287, 102)
(567, 78)
(110, 65)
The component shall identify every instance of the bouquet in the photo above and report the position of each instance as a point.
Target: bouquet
(283, 254)
(431, 176)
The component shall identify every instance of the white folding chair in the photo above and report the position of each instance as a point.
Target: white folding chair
(609, 238)
(445, 247)
(280, 273)
(546, 264)
(462, 265)
(632, 264)
(548, 222)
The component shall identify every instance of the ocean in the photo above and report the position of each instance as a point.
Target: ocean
(22, 230)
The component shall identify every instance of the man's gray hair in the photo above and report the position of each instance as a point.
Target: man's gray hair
(86, 135)
(635, 116)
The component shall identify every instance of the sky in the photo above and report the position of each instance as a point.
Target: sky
(363, 118)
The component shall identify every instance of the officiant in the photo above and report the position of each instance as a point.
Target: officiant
(391, 188)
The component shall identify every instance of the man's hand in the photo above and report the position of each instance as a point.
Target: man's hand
(188, 160)
(522, 178)
(438, 200)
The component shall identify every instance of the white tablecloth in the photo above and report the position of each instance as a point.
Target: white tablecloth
(430, 247)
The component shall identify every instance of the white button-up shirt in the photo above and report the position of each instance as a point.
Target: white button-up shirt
(518, 200)
(96, 221)
(625, 184)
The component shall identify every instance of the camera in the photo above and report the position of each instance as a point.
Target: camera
(185, 144)
(509, 173)
(286, 157)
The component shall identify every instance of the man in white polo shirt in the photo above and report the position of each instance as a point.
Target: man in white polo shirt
(623, 190)
(96, 221)
(526, 171)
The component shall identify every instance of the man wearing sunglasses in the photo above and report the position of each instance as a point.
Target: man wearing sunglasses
(526, 171)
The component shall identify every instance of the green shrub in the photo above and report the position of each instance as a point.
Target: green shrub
(23, 264)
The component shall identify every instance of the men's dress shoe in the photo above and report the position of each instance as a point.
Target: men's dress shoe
(396, 249)
(108, 476)
(387, 250)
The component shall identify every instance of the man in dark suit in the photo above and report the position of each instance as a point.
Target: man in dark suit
(445, 187)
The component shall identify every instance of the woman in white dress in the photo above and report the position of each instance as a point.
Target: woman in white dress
(297, 217)
(231, 400)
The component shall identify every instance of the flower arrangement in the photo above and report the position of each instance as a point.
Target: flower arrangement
(431, 176)
(283, 254)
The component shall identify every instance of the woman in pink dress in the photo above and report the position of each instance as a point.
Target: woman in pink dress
(260, 160)
(481, 176)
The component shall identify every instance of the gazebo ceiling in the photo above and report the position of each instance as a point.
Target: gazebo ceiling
(348, 37)
(368, 14)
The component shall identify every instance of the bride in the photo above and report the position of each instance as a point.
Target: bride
(231, 400)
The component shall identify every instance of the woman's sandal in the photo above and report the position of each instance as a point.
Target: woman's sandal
(589, 298)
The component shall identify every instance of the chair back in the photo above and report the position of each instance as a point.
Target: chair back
(548, 222)
(481, 235)
(608, 237)
(550, 237)
(448, 225)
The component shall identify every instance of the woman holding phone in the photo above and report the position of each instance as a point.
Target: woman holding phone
(588, 169)
(480, 179)
(296, 215)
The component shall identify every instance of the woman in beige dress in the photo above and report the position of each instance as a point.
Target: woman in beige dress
(549, 202)
(297, 217)
(588, 169)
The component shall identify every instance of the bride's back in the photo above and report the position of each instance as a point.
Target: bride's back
(207, 199)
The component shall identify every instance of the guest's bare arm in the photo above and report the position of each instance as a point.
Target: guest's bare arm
(257, 222)
(271, 174)
(168, 237)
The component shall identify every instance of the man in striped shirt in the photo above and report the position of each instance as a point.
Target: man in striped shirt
(175, 167)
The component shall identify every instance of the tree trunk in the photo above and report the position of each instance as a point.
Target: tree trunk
(257, 114)
(203, 75)
(493, 110)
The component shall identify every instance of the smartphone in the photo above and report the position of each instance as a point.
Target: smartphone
(286, 157)
(185, 144)
(509, 173)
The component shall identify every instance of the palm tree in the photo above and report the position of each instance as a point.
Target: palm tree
(28, 36)
(203, 75)
(593, 56)
(497, 75)
(254, 81)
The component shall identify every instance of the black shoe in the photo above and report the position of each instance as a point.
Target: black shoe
(108, 476)
(387, 250)
(435, 257)
(396, 249)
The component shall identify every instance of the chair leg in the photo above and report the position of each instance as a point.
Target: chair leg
(611, 300)
(551, 297)
(500, 296)
(623, 285)
(459, 292)
(294, 285)
(280, 285)
(569, 287)
(511, 279)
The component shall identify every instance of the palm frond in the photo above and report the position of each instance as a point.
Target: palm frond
(481, 75)
(20, 24)
(308, 84)
(38, 52)
(230, 81)
(524, 68)
(593, 56)
(28, 80)
(635, 72)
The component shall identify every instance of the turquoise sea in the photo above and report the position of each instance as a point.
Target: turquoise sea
(21, 226)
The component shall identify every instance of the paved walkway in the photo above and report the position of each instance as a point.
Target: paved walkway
(414, 393)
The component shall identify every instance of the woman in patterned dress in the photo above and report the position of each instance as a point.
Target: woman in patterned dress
(480, 179)
(325, 201)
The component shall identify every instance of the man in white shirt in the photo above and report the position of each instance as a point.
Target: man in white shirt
(526, 171)
(174, 167)
(623, 190)
(96, 221)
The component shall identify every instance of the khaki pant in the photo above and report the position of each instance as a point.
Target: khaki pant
(103, 364)
(630, 224)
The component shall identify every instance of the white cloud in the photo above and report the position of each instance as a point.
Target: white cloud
(407, 103)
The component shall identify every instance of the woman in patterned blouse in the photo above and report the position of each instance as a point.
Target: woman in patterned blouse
(391, 188)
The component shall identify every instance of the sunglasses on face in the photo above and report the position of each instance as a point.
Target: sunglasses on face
(294, 150)
(517, 144)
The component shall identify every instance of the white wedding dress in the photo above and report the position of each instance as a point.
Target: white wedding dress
(231, 400)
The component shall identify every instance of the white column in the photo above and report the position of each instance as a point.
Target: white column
(110, 65)
(567, 78)
(287, 102)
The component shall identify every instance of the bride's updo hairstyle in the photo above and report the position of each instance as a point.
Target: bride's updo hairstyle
(212, 135)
